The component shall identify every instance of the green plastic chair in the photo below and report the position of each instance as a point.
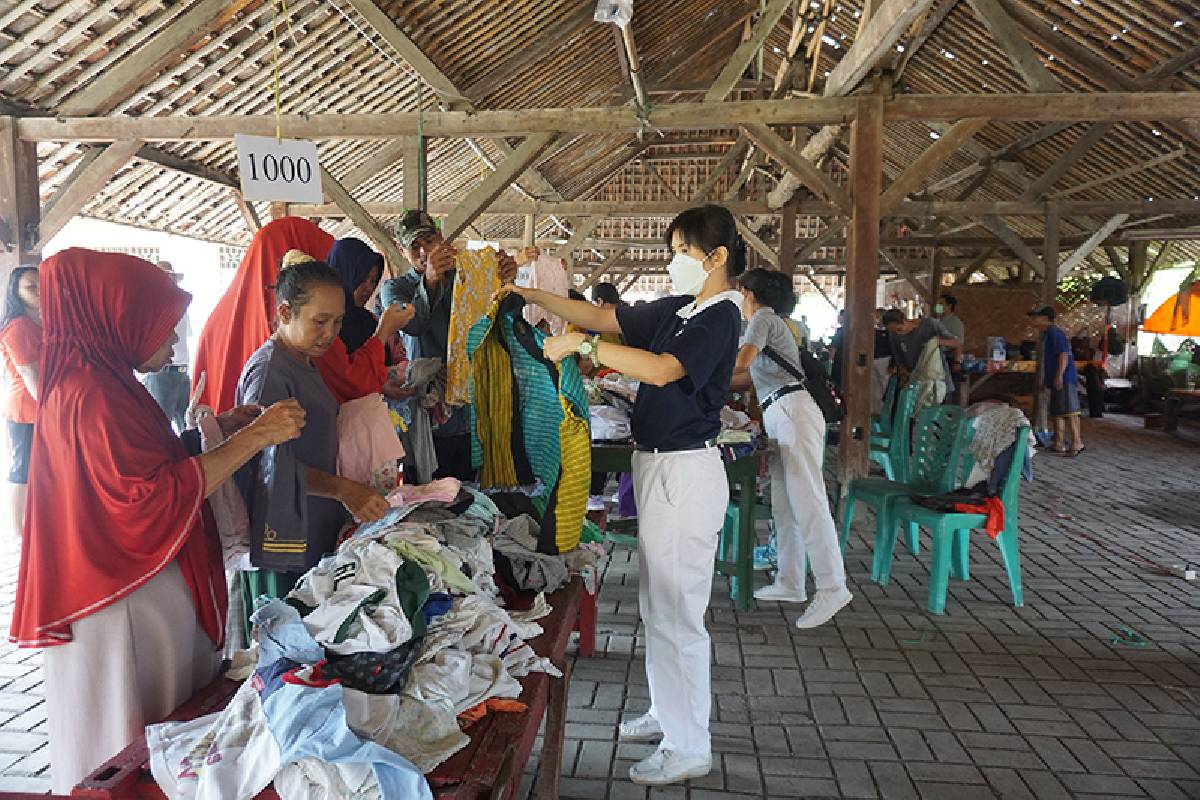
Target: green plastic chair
(940, 439)
(894, 456)
(881, 423)
(951, 534)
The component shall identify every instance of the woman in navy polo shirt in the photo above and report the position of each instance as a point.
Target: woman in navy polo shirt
(682, 348)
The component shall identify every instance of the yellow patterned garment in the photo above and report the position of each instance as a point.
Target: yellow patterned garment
(571, 495)
(476, 281)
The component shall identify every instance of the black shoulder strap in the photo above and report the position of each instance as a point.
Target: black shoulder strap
(774, 355)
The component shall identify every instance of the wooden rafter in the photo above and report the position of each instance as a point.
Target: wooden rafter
(1044, 182)
(1014, 242)
(494, 184)
(246, 210)
(884, 28)
(1006, 33)
(1093, 241)
(383, 240)
(747, 50)
(84, 186)
(934, 156)
(805, 171)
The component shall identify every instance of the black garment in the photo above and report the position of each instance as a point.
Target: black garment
(883, 344)
(515, 504)
(1093, 378)
(376, 673)
(687, 411)
(454, 457)
(353, 261)
(599, 483)
(20, 440)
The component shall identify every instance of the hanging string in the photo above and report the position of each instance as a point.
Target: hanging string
(275, 69)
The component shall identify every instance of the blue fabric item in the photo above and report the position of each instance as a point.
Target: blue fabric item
(1001, 466)
(310, 722)
(353, 261)
(437, 605)
(281, 634)
(687, 411)
(482, 507)
(1054, 344)
(270, 678)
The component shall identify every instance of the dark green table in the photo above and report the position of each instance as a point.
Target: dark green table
(735, 554)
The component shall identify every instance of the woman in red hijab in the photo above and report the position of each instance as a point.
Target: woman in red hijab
(242, 319)
(121, 576)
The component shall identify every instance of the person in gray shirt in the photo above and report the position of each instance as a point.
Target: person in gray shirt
(793, 421)
(909, 338)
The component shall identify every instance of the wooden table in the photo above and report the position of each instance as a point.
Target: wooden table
(1175, 400)
(735, 558)
(490, 766)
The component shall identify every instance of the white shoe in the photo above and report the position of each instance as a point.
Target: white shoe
(823, 607)
(595, 503)
(776, 593)
(667, 766)
(643, 729)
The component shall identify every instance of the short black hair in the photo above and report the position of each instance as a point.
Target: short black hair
(575, 294)
(709, 227)
(950, 300)
(296, 283)
(893, 316)
(772, 289)
(606, 293)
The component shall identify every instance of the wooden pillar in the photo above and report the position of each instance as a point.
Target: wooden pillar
(935, 276)
(1050, 255)
(862, 277)
(277, 210)
(416, 176)
(20, 209)
(530, 229)
(787, 239)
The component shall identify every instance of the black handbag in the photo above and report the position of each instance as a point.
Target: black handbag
(815, 380)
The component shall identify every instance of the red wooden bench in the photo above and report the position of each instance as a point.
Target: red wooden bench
(490, 766)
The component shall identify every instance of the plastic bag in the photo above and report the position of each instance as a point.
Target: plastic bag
(618, 12)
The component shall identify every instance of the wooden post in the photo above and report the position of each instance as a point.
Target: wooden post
(862, 276)
(935, 275)
(530, 228)
(20, 210)
(277, 210)
(414, 172)
(1041, 397)
(787, 240)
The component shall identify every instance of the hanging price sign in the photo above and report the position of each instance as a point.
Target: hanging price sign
(284, 170)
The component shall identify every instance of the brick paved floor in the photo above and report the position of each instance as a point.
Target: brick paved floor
(890, 702)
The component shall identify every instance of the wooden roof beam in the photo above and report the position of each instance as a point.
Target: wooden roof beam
(1006, 34)
(934, 156)
(1038, 188)
(494, 185)
(747, 50)
(1015, 243)
(84, 185)
(1093, 241)
(892, 18)
(805, 171)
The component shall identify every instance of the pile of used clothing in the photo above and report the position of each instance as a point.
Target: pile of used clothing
(369, 671)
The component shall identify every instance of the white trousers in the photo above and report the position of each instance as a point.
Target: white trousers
(681, 500)
(129, 665)
(799, 504)
(879, 382)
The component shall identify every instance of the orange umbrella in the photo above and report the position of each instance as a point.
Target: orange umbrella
(1179, 316)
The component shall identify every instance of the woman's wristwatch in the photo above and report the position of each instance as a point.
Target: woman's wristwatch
(589, 349)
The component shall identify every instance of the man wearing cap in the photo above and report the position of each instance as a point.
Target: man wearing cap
(429, 287)
(170, 387)
(1061, 379)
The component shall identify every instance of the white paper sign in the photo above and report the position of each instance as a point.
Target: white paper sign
(287, 171)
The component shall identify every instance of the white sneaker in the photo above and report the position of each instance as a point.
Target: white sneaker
(643, 729)
(776, 593)
(667, 766)
(595, 503)
(823, 607)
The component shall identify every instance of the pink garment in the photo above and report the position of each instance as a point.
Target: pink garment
(369, 451)
(550, 274)
(444, 490)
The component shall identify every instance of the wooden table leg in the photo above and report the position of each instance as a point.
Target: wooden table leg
(1171, 420)
(586, 624)
(744, 549)
(550, 767)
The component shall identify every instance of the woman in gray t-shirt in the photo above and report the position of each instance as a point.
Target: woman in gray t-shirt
(794, 422)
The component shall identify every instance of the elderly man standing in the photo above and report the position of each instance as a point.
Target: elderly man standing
(170, 386)
(428, 285)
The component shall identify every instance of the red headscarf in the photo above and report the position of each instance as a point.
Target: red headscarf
(113, 496)
(241, 322)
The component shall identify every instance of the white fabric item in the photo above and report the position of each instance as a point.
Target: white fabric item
(879, 382)
(691, 309)
(226, 503)
(425, 732)
(681, 500)
(548, 273)
(312, 779)
(230, 755)
(129, 664)
(337, 589)
(609, 424)
(799, 502)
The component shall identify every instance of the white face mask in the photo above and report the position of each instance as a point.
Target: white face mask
(687, 274)
(938, 309)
